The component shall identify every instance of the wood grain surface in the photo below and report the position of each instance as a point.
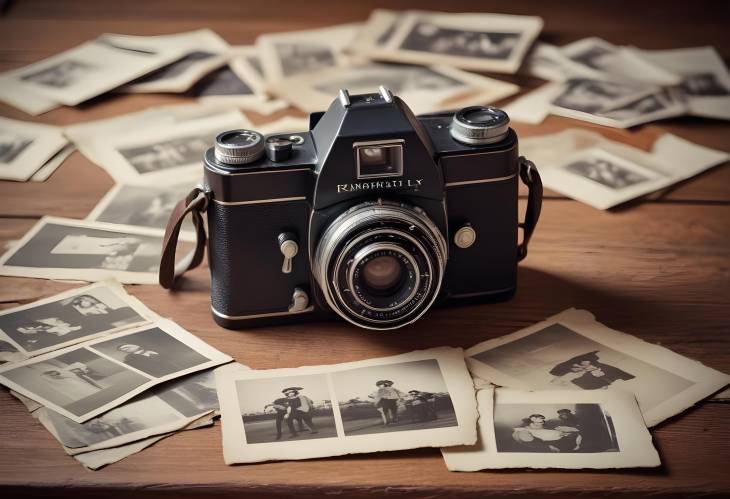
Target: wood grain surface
(658, 268)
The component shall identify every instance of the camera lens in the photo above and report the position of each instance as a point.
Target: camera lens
(382, 273)
(380, 264)
(478, 125)
(239, 147)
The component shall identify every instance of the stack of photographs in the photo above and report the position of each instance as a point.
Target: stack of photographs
(621, 87)
(105, 375)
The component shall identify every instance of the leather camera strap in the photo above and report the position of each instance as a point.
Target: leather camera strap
(194, 203)
(531, 178)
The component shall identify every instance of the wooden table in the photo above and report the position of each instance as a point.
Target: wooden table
(658, 269)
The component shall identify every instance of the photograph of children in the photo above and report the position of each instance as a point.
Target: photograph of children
(286, 408)
(57, 248)
(554, 428)
(142, 205)
(394, 397)
(71, 317)
(167, 408)
(152, 351)
(573, 351)
(74, 383)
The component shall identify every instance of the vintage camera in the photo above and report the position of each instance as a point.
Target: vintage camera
(373, 214)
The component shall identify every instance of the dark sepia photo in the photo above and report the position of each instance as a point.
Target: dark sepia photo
(152, 351)
(286, 409)
(554, 428)
(302, 57)
(79, 381)
(144, 205)
(72, 247)
(88, 313)
(606, 173)
(223, 81)
(60, 75)
(394, 397)
(167, 154)
(428, 37)
(557, 357)
(397, 78)
(12, 145)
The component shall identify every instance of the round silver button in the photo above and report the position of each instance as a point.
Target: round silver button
(465, 237)
(239, 147)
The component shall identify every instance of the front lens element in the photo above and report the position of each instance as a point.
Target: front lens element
(382, 273)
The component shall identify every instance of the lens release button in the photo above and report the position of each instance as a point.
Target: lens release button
(465, 237)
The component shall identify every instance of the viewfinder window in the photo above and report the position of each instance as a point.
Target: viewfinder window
(384, 160)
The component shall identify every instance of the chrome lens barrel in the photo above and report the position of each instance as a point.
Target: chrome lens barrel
(380, 264)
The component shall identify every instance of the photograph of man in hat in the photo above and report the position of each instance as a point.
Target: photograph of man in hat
(300, 408)
(386, 399)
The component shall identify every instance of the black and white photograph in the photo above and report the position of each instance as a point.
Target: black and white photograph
(71, 249)
(11, 145)
(71, 317)
(168, 407)
(394, 397)
(556, 429)
(571, 351)
(594, 96)
(61, 74)
(703, 84)
(289, 408)
(26, 147)
(287, 54)
(425, 88)
(152, 351)
(427, 37)
(74, 383)
(177, 68)
(567, 427)
(162, 153)
(223, 81)
(418, 399)
(83, 381)
(605, 173)
(142, 205)
(478, 41)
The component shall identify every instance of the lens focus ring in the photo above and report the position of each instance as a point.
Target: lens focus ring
(239, 147)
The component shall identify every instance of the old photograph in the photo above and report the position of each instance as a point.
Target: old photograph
(572, 351)
(603, 179)
(287, 408)
(418, 399)
(164, 152)
(481, 42)
(556, 429)
(594, 96)
(424, 89)
(169, 407)
(26, 147)
(93, 68)
(393, 397)
(152, 351)
(223, 81)
(70, 317)
(58, 248)
(288, 54)
(142, 205)
(81, 382)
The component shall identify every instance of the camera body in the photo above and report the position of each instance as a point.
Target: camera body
(373, 214)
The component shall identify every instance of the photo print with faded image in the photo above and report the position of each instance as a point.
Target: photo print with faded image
(70, 317)
(428, 37)
(606, 173)
(571, 351)
(26, 147)
(57, 248)
(11, 145)
(80, 382)
(393, 397)
(287, 408)
(430, 403)
(556, 429)
(594, 96)
(169, 407)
